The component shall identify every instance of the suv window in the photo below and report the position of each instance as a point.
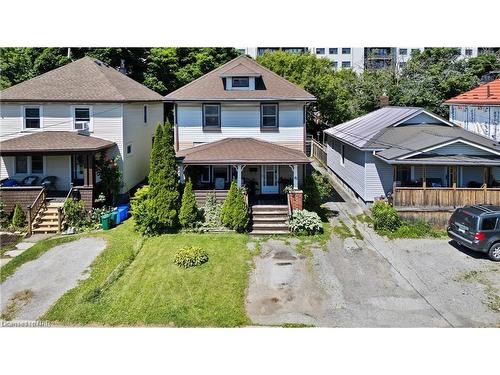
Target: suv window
(465, 218)
(489, 223)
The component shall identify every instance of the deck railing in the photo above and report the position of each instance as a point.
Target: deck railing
(318, 151)
(444, 196)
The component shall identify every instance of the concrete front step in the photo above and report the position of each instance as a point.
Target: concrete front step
(278, 226)
(270, 218)
(269, 207)
(268, 232)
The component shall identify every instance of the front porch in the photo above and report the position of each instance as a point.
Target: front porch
(439, 186)
(263, 168)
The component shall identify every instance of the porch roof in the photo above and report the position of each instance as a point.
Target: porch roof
(241, 151)
(433, 159)
(53, 142)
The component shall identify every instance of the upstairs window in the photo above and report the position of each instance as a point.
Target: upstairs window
(211, 116)
(468, 52)
(346, 51)
(241, 82)
(320, 51)
(32, 117)
(333, 51)
(269, 116)
(346, 64)
(82, 118)
(403, 51)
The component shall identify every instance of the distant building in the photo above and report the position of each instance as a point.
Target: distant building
(478, 110)
(361, 58)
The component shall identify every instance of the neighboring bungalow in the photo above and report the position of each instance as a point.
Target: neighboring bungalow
(478, 110)
(243, 122)
(53, 127)
(416, 158)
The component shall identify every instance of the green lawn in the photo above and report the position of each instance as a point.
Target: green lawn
(134, 282)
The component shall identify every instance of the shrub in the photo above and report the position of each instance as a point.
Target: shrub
(305, 222)
(228, 204)
(312, 195)
(239, 213)
(212, 212)
(4, 218)
(323, 184)
(97, 213)
(144, 219)
(190, 256)
(18, 218)
(385, 217)
(109, 172)
(188, 212)
(76, 215)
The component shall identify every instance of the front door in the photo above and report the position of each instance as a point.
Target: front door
(269, 178)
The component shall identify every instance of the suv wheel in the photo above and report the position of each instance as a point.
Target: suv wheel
(494, 252)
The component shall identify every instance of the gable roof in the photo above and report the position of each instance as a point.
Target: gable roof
(362, 131)
(53, 142)
(489, 93)
(211, 86)
(241, 150)
(83, 80)
(405, 141)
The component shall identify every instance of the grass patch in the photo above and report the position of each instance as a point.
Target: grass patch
(152, 290)
(19, 299)
(363, 218)
(8, 241)
(342, 230)
(33, 253)
(418, 229)
(492, 293)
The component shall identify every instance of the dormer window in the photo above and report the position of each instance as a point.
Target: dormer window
(241, 82)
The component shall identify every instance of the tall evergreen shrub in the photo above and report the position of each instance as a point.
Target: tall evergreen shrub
(227, 206)
(189, 212)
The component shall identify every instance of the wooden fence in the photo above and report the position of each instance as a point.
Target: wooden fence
(318, 151)
(444, 197)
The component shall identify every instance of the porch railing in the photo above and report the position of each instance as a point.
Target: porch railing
(318, 151)
(34, 208)
(444, 196)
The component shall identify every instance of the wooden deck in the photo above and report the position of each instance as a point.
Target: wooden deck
(444, 197)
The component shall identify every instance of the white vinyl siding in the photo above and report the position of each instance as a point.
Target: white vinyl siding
(241, 120)
(353, 170)
(378, 177)
(139, 134)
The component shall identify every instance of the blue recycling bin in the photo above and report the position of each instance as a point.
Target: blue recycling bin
(123, 210)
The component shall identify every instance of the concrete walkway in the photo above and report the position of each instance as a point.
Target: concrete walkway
(36, 285)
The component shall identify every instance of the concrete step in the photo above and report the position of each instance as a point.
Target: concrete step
(269, 207)
(269, 218)
(279, 226)
(268, 232)
(270, 213)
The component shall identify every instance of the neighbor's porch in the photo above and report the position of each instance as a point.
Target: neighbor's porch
(445, 186)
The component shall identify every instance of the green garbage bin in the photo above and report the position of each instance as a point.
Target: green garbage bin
(106, 222)
(114, 218)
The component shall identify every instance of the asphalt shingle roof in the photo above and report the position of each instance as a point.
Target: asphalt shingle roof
(270, 86)
(53, 142)
(242, 150)
(83, 80)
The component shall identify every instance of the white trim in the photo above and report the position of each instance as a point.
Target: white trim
(269, 189)
(447, 144)
(23, 116)
(91, 116)
(444, 121)
(209, 174)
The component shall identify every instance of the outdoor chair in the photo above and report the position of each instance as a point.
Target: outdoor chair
(29, 181)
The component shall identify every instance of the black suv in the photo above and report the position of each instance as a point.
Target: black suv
(477, 228)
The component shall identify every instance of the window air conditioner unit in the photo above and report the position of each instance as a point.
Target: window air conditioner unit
(82, 126)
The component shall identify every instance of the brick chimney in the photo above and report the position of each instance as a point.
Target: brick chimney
(383, 101)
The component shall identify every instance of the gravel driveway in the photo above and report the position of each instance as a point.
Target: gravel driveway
(36, 285)
(373, 282)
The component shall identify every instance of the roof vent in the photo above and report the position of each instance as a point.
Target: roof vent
(488, 92)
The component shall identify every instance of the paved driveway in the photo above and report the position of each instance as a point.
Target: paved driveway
(374, 282)
(36, 285)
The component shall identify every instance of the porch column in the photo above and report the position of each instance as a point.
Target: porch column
(239, 169)
(85, 170)
(91, 170)
(181, 173)
(295, 176)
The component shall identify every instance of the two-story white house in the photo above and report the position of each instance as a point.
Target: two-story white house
(241, 121)
(478, 110)
(54, 126)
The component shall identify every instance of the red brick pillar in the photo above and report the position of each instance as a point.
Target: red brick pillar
(296, 198)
